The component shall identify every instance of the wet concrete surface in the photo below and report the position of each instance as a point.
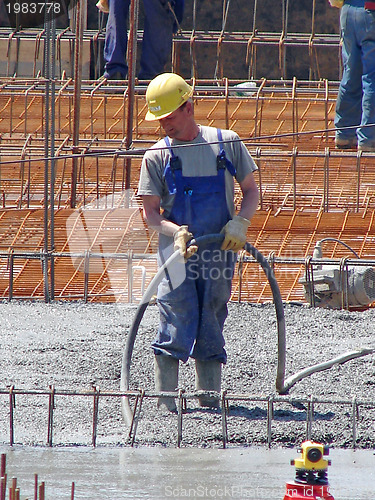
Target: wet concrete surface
(75, 346)
(155, 473)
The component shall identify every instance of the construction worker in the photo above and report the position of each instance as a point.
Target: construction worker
(187, 187)
(355, 106)
(159, 26)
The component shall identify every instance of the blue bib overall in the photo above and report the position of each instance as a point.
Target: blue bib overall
(192, 314)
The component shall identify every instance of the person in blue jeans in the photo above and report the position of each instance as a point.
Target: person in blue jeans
(355, 106)
(187, 189)
(159, 26)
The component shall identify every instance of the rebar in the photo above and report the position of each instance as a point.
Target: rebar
(285, 124)
(184, 396)
(287, 269)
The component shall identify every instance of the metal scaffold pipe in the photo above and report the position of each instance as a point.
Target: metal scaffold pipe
(49, 149)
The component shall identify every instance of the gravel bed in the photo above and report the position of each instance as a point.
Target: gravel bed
(75, 346)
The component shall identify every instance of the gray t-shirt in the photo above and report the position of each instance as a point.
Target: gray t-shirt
(198, 158)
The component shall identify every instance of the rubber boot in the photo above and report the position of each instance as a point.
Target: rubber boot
(166, 380)
(208, 378)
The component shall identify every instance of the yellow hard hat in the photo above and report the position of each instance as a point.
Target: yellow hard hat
(166, 93)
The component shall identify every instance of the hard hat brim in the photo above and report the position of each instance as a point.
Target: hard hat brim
(150, 117)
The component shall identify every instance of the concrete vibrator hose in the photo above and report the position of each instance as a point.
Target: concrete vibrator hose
(151, 290)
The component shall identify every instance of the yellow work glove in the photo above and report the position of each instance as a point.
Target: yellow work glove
(103, 6)
(235, 233)
(181, 237)
(336, 3)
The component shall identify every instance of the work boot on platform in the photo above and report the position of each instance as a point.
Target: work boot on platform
(208, 378)
(166, 380)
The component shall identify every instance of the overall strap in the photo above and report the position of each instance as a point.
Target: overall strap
(221, 159)
(168, 143)
(173, 167)
(174, 161)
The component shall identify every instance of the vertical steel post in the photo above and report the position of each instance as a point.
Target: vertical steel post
(3, 464)
(95, 414)
(12, 404)
(358, 193)
(77, 98)
(52, 185)
(51, 407)
(311, 46)
(132, 62)
(46, 65)
(11, 273)
(326, 181)
(294, 167)
(3, 479)
(269, 420)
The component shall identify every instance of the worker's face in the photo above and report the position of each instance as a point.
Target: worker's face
(177, 124)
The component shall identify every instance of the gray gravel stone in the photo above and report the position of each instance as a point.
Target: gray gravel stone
(73, 346)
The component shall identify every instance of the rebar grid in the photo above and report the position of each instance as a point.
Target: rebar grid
(285, 124)
(325, 180)
(278, 113)
(183, 397)
(272, 108)
(123, 277)
(250, 43)
(309, 38)
(102, 260)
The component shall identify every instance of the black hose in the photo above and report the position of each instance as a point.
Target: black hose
(151, 290)
(279, 309)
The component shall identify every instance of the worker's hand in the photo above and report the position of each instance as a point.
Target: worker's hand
(103, 6)
(336, 3)
(235, 233)
(181, 237)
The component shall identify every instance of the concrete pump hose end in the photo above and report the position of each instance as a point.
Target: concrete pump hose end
(127, 412)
